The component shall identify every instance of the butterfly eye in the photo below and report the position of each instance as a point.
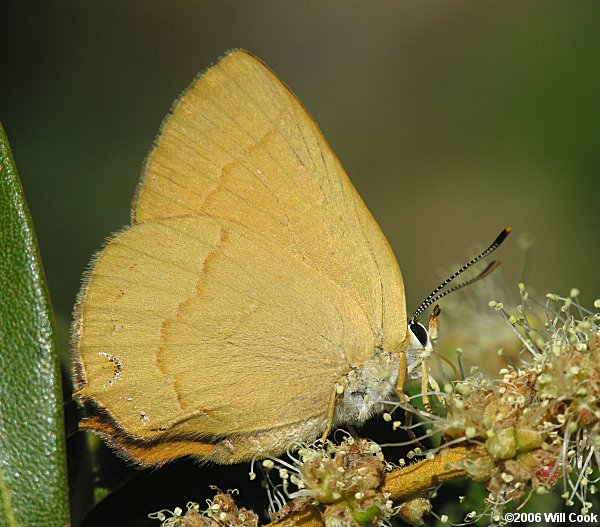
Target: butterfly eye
(420, 332)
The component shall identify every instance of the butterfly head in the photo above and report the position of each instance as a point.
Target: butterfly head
(419, 334)
(418, 348)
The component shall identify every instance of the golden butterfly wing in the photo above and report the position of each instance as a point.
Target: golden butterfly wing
(239, 146)
(197, 327)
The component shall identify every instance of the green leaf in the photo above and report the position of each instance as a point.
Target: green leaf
(33, 476)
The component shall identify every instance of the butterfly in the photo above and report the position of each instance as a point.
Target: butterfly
(253, 303)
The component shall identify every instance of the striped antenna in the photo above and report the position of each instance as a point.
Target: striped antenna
(431, 298)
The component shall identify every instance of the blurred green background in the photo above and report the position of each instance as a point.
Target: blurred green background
(453, 119)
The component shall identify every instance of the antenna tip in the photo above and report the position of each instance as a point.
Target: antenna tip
(501, 237)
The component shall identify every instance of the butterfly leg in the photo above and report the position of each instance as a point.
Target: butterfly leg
(436, 388)
(335, 393)
(402, 370)
(425, 386)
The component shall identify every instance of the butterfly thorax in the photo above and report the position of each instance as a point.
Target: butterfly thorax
(366, 388)
(369, 385)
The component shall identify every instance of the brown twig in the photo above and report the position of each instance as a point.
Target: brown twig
(405, 482)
